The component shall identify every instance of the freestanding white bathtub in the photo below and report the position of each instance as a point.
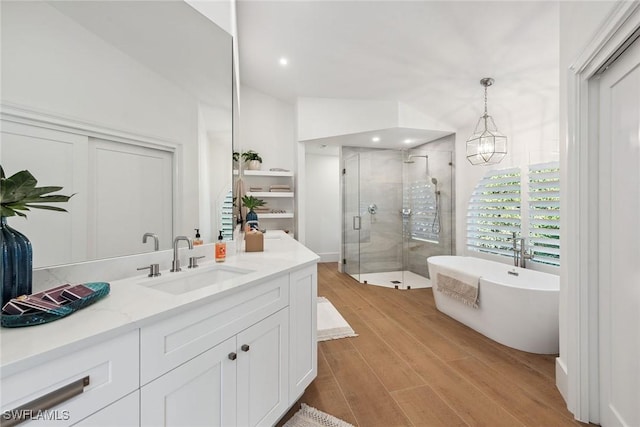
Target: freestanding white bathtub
(517, 311)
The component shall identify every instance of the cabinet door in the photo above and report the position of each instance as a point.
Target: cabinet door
(303, 345)
(263, 365)
(122, 413)
(201, 392)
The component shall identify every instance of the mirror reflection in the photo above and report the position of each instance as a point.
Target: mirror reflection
(129, 106)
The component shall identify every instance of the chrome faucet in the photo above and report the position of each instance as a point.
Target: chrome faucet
(520, 253)
(514, 248)
(524, 255)
(156, 242)
(175, 265)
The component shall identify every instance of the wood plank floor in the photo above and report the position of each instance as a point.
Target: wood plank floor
(414, 366)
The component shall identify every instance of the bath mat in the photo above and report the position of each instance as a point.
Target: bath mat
(331, 324)
(312, 417)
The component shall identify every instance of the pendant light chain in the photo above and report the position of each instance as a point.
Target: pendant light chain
(485, 100)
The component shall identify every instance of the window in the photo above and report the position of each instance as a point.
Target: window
(494, 213)
(227, 216)
(544, 213)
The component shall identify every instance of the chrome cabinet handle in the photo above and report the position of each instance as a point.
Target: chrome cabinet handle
(245, 347)
(356, 227)
(23, 413)
(233, 356)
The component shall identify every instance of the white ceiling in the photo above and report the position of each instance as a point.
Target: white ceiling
(429, 55)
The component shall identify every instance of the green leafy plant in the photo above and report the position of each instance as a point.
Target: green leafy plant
(251, 155)
(235, 156)
(19, 193)
(251, 202)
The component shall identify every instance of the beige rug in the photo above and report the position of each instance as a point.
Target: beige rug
(312, 417)
(331, 324)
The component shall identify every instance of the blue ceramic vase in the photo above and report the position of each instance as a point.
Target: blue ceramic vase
(17, 259)
(252, 220)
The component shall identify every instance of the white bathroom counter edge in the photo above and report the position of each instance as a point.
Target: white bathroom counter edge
(130, 306)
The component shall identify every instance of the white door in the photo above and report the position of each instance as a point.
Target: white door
(263, 380)
(136, 180)
(201, 392)
(619, 225)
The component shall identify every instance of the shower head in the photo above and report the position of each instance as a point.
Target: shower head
(434, 181)
(411, 156)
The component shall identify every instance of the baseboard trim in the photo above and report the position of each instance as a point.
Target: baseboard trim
(329, 257)
(562, 379)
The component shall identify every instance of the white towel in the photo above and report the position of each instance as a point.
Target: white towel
(459, 285)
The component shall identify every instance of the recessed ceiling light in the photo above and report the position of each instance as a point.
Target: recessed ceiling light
(408, 141)
(283, 61)
(376, 139)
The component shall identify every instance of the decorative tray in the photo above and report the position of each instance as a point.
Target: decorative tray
(31, 318)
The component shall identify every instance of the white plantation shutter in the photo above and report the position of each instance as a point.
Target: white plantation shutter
(227, 216)
(544, 212)
(494, 212)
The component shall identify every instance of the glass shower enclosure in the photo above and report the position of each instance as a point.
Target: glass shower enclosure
(398, 210)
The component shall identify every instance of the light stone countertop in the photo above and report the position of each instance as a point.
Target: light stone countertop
(130, 306)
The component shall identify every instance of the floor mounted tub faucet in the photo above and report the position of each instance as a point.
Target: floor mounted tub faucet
(520, 253)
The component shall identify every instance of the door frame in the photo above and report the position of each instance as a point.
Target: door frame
(580, 237)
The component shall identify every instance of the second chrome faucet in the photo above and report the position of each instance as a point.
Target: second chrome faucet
(520, 253)
(175, 265)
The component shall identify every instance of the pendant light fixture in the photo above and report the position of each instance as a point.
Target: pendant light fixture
(486, 146)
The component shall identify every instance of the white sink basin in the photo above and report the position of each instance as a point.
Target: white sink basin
(188, 281)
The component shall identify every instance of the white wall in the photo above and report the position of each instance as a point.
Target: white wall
(327, 117)
(323, 117)
(579, 22)
(61, 68)
(322, 207)
(267, 126)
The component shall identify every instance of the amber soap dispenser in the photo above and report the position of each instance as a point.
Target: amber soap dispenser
(221, 248)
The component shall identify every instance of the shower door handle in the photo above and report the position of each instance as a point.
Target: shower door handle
(356, 220)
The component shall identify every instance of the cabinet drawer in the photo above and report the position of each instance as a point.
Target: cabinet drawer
(169, 343)
(112, 369)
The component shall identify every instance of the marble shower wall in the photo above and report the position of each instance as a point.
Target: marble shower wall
(440, 167)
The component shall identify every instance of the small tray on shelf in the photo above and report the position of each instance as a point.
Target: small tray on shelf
(32, 318)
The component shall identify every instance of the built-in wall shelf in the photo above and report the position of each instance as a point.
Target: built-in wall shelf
(275, 215)
(247, 172)
(260, 194)
(282, 202)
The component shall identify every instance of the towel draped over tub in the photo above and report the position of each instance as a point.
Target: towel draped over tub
(462, 286)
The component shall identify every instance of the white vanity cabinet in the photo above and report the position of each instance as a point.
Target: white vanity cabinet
(303, 342)
(263, 371)
(122, 413)
(100, 374)
(241, 359)
(228, 362)
(201, 392)
(242, 381)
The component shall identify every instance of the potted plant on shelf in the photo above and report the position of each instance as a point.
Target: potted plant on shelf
(253, 160)
(18, 193)
(251, 203)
